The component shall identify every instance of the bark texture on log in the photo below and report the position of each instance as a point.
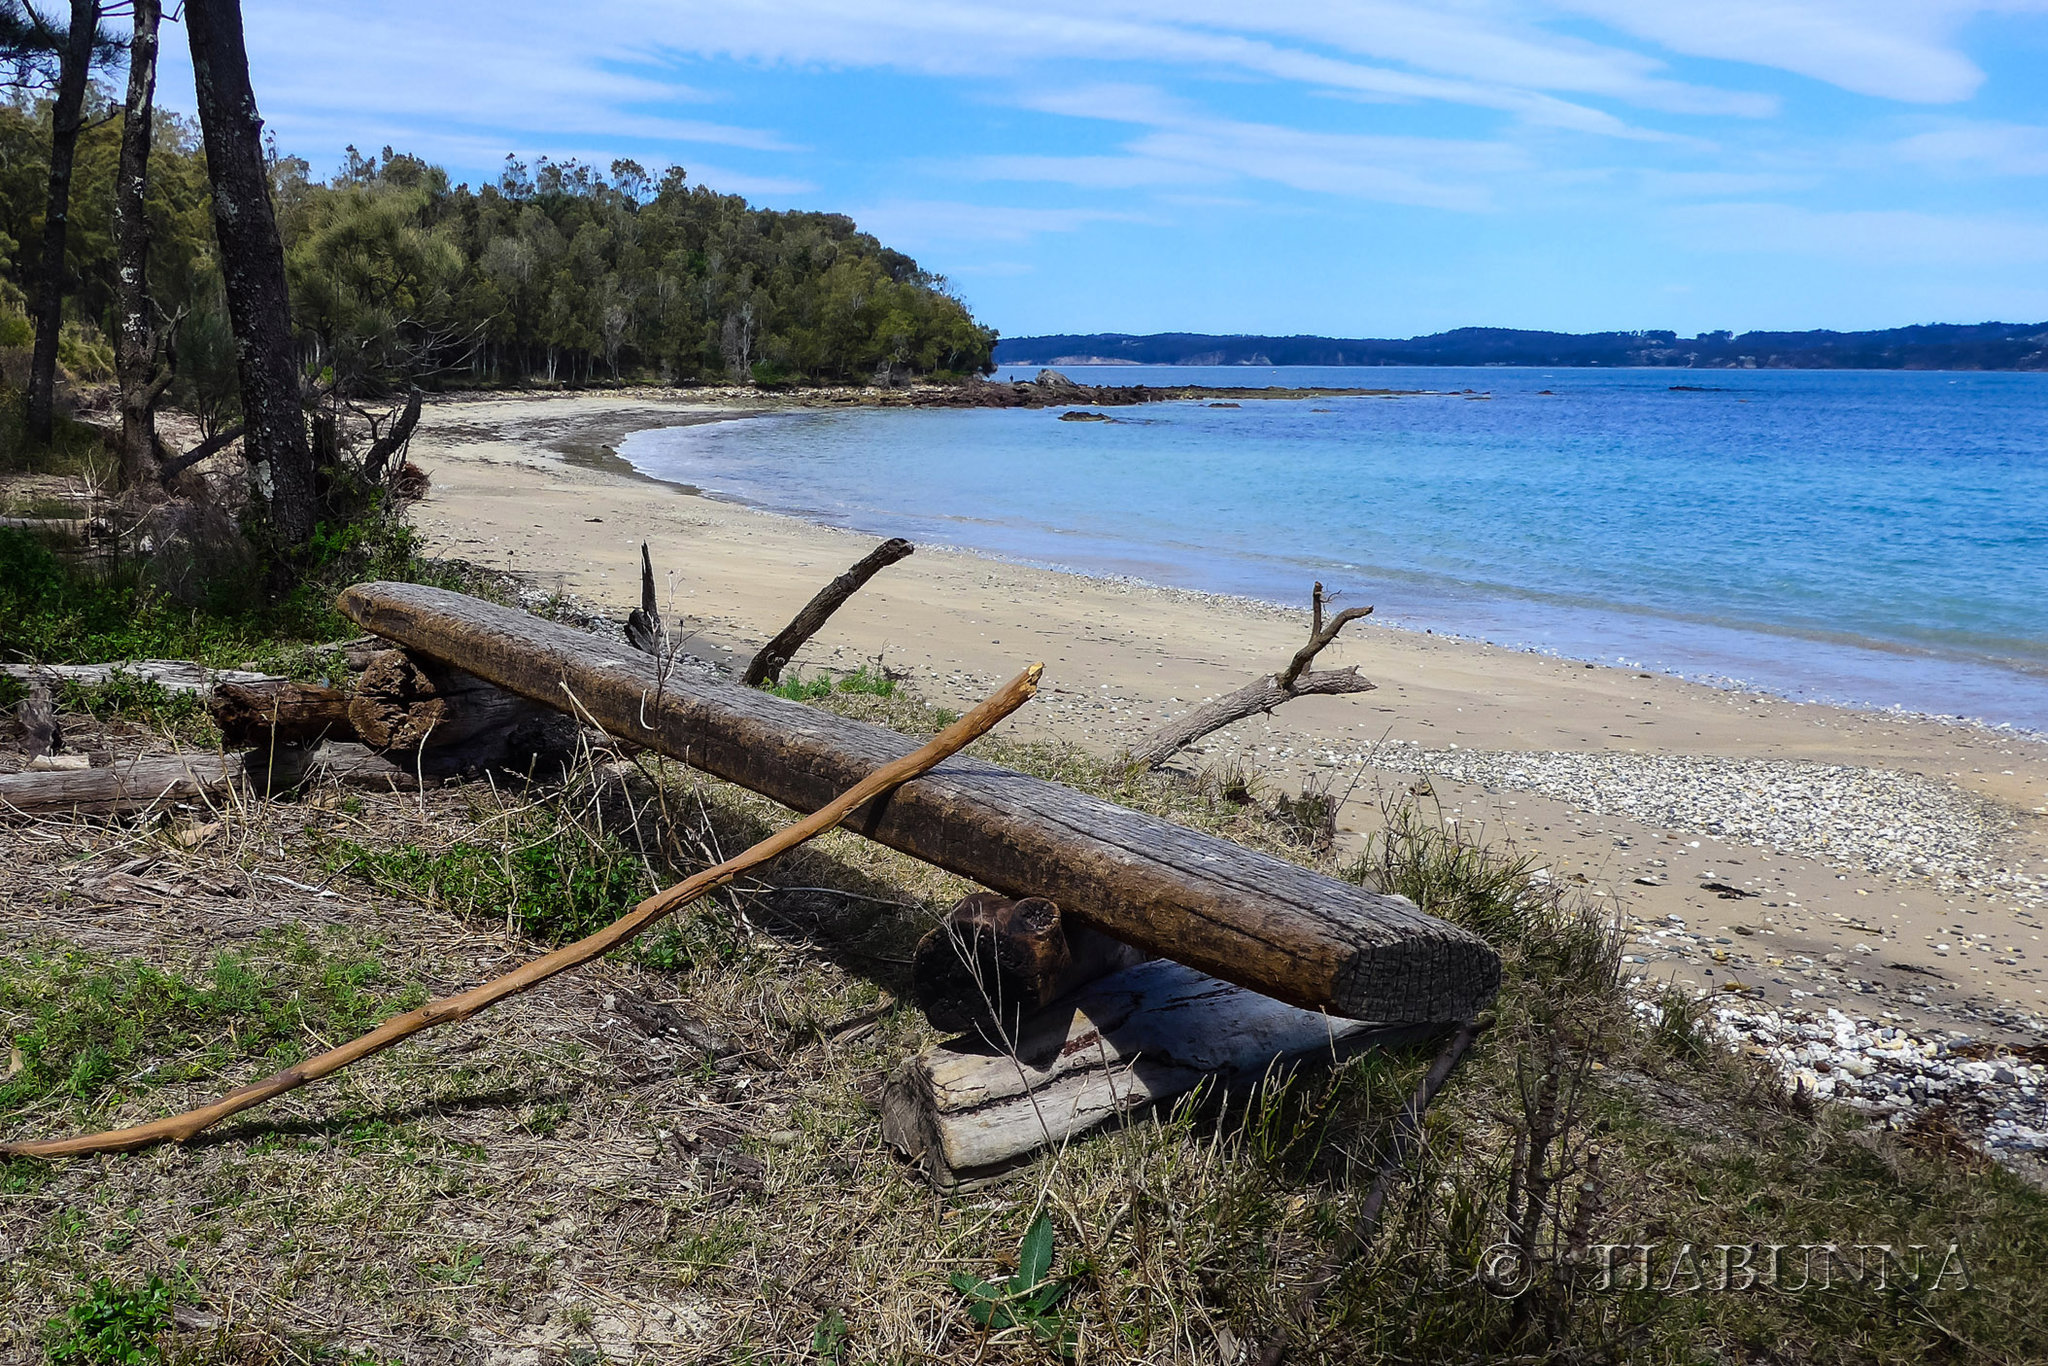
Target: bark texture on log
(1244, 916)
(127, 786)
(994, 962)
(282, 712)
(1132, 1040)
(776, 654)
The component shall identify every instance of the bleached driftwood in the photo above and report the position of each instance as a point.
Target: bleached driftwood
(1126, 1042)
(172, 675)
(125, 786)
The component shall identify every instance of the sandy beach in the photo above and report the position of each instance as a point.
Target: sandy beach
(1886, 863)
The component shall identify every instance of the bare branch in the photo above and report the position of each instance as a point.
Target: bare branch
(775, 655)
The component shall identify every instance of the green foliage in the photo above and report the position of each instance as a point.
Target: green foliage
(86, 1027)
(552, 882)
(1028, 1299)
(558, 274)
(113, 1325)
(866, 681)
(828, 1343)
(59, 610)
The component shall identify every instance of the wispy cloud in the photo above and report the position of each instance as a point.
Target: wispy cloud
(1868, 236)
(922, 222)
(2002, 149)
(1893, 49)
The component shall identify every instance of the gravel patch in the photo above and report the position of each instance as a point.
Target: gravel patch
(1997, 1096)
(1870, 820)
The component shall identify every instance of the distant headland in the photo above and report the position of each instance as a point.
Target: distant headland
(1932, 346)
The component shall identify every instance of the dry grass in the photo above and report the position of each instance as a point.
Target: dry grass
(675, 1156)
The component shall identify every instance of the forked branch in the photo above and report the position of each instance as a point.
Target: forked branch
(453, 1009)
(776, 654)
(1263, 693)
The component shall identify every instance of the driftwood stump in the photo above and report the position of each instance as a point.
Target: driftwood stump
(424, 713)
(994, 962)
(257, 715)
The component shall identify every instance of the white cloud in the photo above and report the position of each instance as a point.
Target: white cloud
(1893, 49)
(2006, 149)
(1871, 236)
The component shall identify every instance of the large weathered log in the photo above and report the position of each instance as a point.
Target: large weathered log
(768, 664)
(994, 962)
(123, 787)
(1244, 916)
(1131, 1040)
(279, 712)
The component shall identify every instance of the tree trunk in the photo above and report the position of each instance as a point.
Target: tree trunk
(1241, 915)
(252, 266)
(135, 337)
(65, 117)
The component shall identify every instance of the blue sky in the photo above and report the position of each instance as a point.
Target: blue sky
(1381, 168)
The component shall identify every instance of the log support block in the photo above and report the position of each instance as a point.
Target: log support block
(1123, 1045)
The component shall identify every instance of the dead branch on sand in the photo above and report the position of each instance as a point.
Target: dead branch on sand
(1263, 693)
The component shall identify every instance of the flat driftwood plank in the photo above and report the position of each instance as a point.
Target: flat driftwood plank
(126, 786)
(1121, 1045)
(1246, 917)
(172, 675)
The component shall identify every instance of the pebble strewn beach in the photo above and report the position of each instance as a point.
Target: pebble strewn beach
(1875, 821)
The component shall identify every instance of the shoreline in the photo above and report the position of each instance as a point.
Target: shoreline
(1122, 654)
(1839, 694)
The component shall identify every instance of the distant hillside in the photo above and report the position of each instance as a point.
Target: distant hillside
(1934, 346)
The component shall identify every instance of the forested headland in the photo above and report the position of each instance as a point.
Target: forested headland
(1930, 346)
(557, 273)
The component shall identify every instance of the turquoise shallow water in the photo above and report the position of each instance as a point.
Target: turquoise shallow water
(1879, 538)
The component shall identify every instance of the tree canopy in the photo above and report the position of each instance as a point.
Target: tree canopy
(558, 272)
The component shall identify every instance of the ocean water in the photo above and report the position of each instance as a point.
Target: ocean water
(1876, 538)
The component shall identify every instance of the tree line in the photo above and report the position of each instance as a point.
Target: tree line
(193, 264)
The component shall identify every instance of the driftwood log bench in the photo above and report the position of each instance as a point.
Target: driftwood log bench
(1244, 917)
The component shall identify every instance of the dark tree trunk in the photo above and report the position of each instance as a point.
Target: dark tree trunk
(135, 340)
(252, 265)
(65, 117)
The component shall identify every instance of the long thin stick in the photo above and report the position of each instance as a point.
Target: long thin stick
(179, 1128)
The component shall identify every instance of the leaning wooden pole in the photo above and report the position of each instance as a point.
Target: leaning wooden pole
(1261, 922)
(453, 1009)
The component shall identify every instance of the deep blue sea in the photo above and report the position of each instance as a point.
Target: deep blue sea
(1877, 538)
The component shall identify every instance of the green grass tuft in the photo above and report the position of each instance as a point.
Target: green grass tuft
(90, 1028)
(554, 883)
